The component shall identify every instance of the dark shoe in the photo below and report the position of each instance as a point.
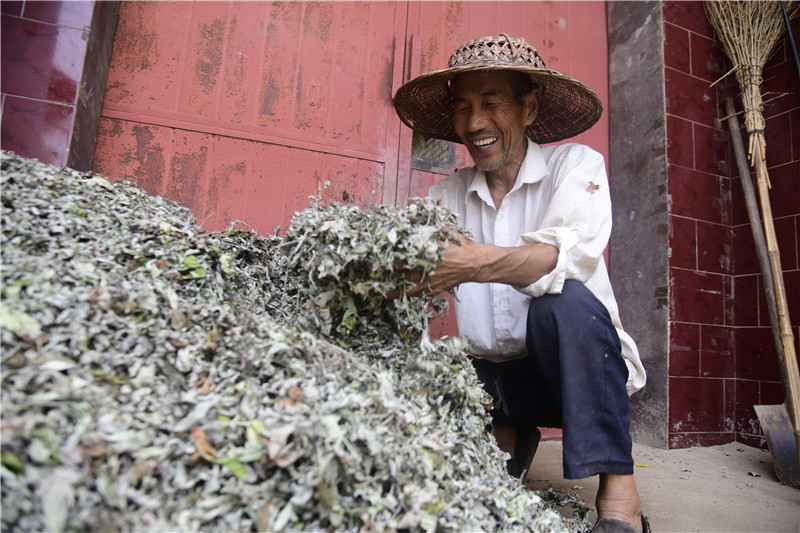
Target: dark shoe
(526, 440)
(611, 525)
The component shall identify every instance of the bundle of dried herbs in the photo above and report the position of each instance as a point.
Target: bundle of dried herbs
(159, 377)
(353, 259)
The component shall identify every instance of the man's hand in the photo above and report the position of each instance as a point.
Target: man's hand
(453, 269)
(444, 277)
(466, 260)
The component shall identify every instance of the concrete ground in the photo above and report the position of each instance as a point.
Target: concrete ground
(729, 488)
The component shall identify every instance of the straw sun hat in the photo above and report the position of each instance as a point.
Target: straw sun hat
(567, 107)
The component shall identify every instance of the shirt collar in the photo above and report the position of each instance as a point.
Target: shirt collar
(533, 169)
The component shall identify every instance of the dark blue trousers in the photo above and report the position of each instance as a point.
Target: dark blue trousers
(573, 377)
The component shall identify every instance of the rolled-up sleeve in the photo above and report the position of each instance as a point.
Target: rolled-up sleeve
(577, 222)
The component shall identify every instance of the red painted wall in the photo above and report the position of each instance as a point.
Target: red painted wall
(721, 356)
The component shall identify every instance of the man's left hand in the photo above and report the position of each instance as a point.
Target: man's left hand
(466, 260)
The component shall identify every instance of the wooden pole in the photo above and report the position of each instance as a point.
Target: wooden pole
(792, 383)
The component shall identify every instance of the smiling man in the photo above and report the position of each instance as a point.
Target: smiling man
(534, 298)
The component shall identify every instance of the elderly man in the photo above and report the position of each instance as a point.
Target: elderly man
(533, 295)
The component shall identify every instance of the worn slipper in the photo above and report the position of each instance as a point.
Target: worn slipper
(526, 440)
(611, 525)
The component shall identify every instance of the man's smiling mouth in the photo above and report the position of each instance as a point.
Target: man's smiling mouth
(484, 143)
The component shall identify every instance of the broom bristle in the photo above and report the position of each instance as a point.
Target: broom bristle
(748, 32)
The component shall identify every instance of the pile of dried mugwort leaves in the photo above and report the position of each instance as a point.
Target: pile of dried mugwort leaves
(158, 377)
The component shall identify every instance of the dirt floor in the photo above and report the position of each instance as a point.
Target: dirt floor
(729, 488)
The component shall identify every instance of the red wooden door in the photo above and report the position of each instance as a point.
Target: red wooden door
(242, 110)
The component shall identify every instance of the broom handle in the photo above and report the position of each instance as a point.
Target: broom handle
(791, 42)
(758, 231)
(787, 338)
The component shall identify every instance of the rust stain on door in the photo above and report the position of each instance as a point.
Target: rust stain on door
(209, 55)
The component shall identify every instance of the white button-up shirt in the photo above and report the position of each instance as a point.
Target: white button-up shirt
(561, 197)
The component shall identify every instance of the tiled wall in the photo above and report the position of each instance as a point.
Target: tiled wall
(43, 49)
(721, 353)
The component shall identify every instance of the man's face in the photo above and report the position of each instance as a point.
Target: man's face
(490, 120)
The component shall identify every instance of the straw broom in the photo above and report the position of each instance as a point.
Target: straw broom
(748, 32)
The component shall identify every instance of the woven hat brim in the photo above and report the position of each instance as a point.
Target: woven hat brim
(567, 107)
